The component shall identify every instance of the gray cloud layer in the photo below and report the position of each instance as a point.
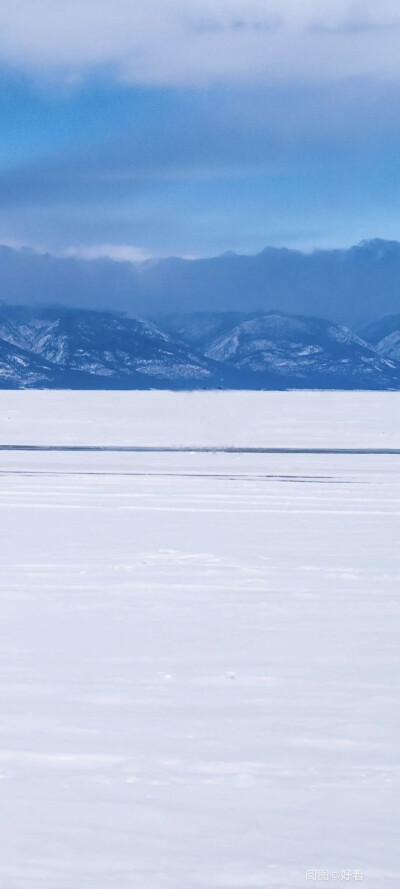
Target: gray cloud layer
(225, 134)
(173, 41)
(350, 286)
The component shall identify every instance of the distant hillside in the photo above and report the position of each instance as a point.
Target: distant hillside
(385, 336)
(199, 329)
(305, 352)
(101, 350)
(58, 347)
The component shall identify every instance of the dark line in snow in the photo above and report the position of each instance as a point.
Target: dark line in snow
(127, 449)
(292, 479)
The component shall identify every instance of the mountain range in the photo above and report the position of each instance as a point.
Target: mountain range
(61, 347)
(78, 348)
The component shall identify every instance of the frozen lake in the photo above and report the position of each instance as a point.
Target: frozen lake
(199, 651)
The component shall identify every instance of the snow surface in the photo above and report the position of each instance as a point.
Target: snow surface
(215, 419)
(199, 651)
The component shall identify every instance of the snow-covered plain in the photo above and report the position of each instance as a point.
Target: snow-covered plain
(215, 419)
(199, 651)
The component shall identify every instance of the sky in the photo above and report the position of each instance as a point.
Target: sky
(194, 127)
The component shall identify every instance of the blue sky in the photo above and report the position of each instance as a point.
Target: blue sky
(157, 128)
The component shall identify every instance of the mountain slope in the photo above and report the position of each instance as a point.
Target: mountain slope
(108, 347)
(67, 348)
(20, 369)
(385, 336)
(304, 352)
(200, 329)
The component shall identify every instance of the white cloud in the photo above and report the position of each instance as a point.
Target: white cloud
(118, 252)
(197, 41)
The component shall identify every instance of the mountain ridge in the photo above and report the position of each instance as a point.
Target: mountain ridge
(304, 351)
(60, 347)
(117, 351)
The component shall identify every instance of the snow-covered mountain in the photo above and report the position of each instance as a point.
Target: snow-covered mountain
(71, 348)
(304, 352)
(385, 336)
(21, 369)
(200, 329)
(108, 348)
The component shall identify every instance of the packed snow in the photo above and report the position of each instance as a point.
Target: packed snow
(199, 650)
